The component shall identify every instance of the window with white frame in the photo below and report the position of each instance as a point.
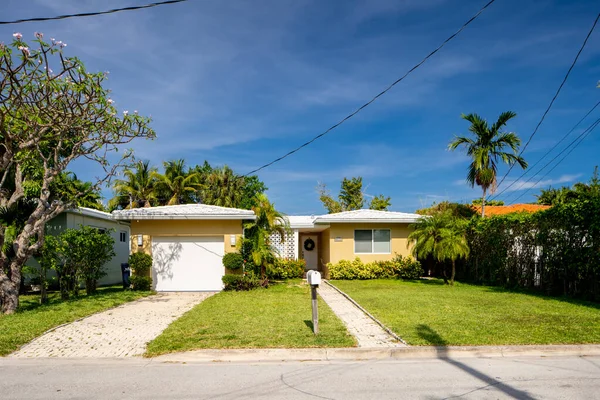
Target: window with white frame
(123, 236)
(372, 241)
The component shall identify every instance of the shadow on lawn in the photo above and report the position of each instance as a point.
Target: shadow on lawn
(33, 303)
(433, 338)
(530, 292)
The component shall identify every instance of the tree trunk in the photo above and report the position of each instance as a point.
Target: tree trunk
(9, 295)
(444, 273)
(483, 203)
(453, 272)
(90, 286)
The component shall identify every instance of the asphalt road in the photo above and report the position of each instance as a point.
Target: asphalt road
(466, 378)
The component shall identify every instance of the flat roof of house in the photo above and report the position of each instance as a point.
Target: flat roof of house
(301, 221)
(184, 211)
(90, 212)
(368, 216)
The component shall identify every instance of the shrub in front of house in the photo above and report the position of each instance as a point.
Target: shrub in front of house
(140, 264)
(239, 282)
(399, 267)
(286, 269)
(233, 261)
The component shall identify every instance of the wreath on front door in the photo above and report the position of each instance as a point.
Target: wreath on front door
(309, 245)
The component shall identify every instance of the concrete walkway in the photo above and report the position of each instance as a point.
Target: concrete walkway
(120, 332)
(367, 332)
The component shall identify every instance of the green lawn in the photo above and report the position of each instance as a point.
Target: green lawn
(33, 319)
(276, 317)
(430, 313)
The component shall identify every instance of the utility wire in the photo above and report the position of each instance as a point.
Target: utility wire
(91, 14)
(473, 18)
(581, 138)
(544, 156)
(555, 96)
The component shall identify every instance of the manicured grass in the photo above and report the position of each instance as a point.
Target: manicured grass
(430, 313)
(277, 317)
(33, 319)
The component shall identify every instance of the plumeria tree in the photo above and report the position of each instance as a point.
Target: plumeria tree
(52, 112)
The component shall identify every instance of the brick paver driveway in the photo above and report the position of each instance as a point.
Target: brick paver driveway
(120, 332)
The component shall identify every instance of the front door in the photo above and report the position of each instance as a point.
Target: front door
(310, 251)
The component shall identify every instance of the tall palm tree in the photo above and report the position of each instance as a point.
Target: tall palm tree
(222, 187)
(441, 236)
(486, 148)
(268, 221)
(137, 189)
(176, 185)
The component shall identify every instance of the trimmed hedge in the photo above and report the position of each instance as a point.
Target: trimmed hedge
(233, 261)
(140, 264)
(400, 267)
(286, 269)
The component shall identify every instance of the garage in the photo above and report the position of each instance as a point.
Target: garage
(187, 263)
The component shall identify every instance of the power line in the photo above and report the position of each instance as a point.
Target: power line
(548, 152)
(473, 18)
(581, 138)
(555, 96)
(91, 14)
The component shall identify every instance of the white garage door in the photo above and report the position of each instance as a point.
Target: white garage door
(187, 263)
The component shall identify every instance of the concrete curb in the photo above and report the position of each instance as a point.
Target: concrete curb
(364, 354)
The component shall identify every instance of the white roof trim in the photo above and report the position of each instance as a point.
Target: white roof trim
(183, 212)
(90, 212)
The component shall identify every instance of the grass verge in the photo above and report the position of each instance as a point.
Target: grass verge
(430, 313)
(277, 317)
(33, 319)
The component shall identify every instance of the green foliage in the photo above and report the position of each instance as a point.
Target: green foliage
(286, 269)
(351, 197)
(453, 209)
(78, 256)
(486, 148)
(477, 202)
(238, 282)
(138, 189)
(233, 261)
(176, 185)
(565, 195)
(140, 263)
(399, 267)
(142, 283)
(556, 251)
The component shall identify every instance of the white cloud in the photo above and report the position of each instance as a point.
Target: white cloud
(523, 184)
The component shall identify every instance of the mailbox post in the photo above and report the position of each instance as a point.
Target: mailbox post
(314, 280)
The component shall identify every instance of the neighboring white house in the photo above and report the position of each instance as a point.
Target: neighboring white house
(102, 221)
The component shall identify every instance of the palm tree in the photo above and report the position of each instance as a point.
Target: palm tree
(453, 245)
(442, 236)
(176, 186)
(268, 221)
(486, 148)
(137, 189)
(222, 187)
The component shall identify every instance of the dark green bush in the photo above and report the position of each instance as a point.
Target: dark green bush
(140, 264)
(141, 282)
(240, 282)
(233, 261)
(286, 269)
(399, 267)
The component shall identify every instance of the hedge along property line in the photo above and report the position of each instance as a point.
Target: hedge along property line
(556, 251)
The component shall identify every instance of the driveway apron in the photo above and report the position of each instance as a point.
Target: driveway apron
(123, 331)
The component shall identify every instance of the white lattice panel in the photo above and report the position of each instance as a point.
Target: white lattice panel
(286, 248)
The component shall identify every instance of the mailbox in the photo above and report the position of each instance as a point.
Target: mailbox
(314, 278)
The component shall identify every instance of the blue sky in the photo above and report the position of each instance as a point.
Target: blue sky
(240, 83)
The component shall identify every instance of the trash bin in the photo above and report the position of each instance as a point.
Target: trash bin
(126, 273)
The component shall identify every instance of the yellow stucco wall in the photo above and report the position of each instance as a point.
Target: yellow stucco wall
(149, 228)
(325, 251)
(344, 249)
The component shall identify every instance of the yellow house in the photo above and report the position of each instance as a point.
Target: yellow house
(367, 234)
(187, 242)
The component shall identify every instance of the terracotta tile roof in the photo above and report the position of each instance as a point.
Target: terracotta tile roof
(503, 210)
